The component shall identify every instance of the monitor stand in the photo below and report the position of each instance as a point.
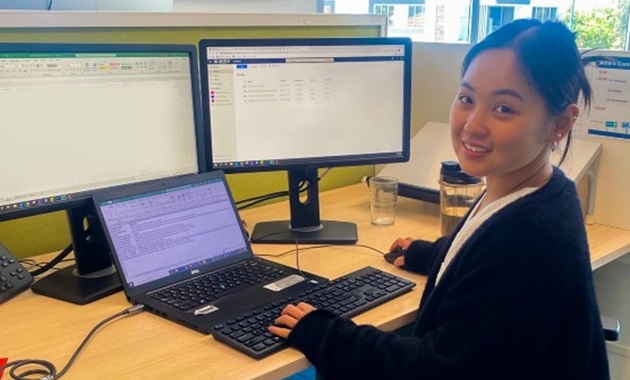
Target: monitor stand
(67, 285)
(305, 226)
(93, 276)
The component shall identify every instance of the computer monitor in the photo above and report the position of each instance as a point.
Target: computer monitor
(76, 118)
(299, 104)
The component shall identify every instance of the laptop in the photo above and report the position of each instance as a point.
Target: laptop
(181, 235)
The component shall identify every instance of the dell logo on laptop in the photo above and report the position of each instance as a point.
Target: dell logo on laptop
(194, 271)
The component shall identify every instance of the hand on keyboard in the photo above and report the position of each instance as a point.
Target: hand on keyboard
(345, 296)
(290, 317)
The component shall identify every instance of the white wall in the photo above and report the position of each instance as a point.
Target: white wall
(246, 6)
(352, 6)
(435, 74)
(216, 6)
(112, 5)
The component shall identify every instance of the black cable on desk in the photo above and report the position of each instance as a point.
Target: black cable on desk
(297, 259)
(260, 199)
(62, 255)
(320, 246)
(249, 202)
(46, 370)
(297, 250)
(56, 260)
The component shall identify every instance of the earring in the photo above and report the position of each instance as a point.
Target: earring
(554, 145)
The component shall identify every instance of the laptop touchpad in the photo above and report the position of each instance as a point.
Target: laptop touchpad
(250, 298)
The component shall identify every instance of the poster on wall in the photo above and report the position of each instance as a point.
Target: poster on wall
(609, 115)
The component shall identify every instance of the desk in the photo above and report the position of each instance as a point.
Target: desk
(146, 346)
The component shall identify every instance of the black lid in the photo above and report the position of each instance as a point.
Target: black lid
(451, 172)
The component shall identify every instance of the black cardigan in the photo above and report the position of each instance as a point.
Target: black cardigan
(517, 302)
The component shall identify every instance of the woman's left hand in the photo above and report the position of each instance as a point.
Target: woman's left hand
(290, 316)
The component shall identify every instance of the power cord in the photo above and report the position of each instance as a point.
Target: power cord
(290, 251)
(249, 202)
(297, 259)
(56, 260)
(46, 369)
(297, 252)
(261, 198)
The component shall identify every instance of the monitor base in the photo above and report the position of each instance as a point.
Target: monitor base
(66, 285)
(279, 232)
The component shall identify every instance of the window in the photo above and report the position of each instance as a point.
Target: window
(440, 16)
(495, 18)
(385, 9)
(598, 23)
(416, 17)
(544, 13)
(329, 6)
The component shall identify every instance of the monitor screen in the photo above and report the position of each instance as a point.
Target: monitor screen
(76, 118)
(299, 104)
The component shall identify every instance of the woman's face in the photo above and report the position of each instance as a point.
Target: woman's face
(500, 126)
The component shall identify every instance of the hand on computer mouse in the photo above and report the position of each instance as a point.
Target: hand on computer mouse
(398, 249)
(391, 257)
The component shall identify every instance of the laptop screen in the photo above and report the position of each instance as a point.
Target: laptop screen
(174, 232)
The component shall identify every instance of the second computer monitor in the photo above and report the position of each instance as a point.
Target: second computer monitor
(299, 104)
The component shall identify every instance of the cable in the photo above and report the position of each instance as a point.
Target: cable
(62, 255)
(274, 194)
(297, 259)
(297, 253)
(46, 369)
(282, 254)
(260, 199)
(57, 259)
(278, 194)
(29, 263)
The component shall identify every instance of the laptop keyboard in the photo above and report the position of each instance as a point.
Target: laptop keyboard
(345, 296)
(209, 287)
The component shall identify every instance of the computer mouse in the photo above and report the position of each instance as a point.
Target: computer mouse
(391, 256)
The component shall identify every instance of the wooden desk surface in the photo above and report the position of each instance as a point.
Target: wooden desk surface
(145, 346)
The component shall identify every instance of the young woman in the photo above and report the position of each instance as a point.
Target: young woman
(510, 293)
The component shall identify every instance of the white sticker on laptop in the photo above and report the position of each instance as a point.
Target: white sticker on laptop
(284, 283)
(206, 310)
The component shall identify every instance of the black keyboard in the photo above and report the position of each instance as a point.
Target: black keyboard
(345, 296)
(216, 284)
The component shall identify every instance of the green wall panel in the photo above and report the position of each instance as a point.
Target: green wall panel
(175, 35)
